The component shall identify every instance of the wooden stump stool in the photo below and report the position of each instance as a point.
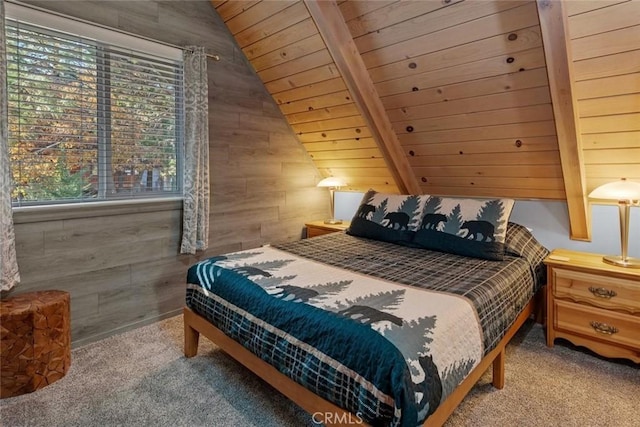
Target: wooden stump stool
(35, 341)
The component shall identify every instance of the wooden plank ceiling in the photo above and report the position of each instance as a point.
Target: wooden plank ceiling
(464, 87)
(605, 40)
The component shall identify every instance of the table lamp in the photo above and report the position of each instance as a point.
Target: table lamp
(333, 184)
(627, 194)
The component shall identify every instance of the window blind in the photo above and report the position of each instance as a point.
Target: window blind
(89, 120)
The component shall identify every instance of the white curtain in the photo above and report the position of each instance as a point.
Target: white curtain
(9, 275)
(195, 223)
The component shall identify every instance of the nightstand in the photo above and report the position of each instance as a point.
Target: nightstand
(593, 304)
(318, 228)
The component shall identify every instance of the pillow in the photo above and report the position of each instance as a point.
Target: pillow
(470, 227)
(388, 217)
(520, 242)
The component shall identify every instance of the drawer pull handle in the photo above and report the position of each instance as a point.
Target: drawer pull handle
(603, 328)
(602, 292)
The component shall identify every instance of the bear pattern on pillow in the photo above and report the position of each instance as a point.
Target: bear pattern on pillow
(388, 217)
(469, 227)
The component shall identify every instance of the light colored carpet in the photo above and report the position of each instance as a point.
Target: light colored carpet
(141, 378)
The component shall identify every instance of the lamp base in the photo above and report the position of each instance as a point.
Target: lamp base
(333, 221)
(620, 262)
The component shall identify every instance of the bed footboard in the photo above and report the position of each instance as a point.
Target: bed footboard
(191, 335)
(496, 358)
(194, 325)
(304, 398)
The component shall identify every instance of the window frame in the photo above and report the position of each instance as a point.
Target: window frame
(102, 35)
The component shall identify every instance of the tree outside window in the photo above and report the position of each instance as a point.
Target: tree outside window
(89, 121)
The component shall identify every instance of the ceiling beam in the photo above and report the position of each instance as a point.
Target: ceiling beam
(336, 35)
(557, 52)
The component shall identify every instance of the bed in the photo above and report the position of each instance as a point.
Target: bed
(361, 330)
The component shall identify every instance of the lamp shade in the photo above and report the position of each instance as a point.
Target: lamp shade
(332, 181)
(617, 190)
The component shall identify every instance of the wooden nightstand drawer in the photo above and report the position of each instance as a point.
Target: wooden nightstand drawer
(597, 290)
(593, 304)
(597, 323)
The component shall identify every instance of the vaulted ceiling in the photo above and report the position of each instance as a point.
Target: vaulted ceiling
(524, 99)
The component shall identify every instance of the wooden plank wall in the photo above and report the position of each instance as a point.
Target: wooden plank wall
(121, 265)
(120, 268)
(605, 39)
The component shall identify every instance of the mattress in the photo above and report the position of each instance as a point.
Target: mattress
(384, 331)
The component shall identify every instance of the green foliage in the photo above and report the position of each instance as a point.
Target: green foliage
(61, 185)
(55, 86)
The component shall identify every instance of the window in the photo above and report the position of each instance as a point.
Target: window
(89, 120)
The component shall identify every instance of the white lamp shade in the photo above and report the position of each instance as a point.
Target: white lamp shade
(332, 181)
(618, 190)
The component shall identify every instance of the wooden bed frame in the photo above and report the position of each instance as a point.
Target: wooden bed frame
(194, 325)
